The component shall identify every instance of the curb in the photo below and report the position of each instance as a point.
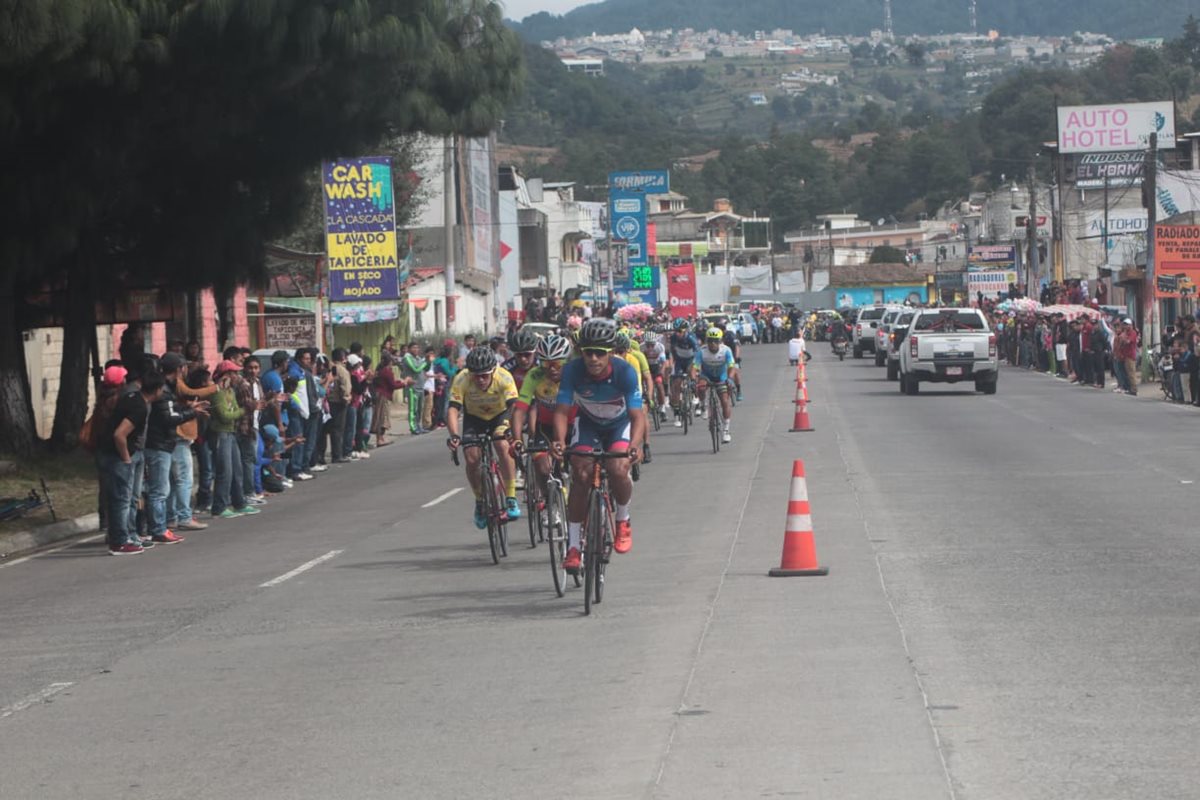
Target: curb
(23, 542)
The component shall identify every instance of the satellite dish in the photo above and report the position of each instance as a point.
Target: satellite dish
(881, 221)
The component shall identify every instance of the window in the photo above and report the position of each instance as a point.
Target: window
(951, 320)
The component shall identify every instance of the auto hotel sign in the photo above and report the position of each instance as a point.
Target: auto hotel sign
(1111, 128)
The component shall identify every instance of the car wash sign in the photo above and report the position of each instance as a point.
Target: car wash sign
(360, 229)
(627, 209)
(1117, 127)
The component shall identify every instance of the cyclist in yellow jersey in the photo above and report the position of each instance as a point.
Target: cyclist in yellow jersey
(534, 410)
(481, 397)
(624, 349)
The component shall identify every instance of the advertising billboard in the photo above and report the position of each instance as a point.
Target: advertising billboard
(1116, 127)
(1176, 254)
(681, 290)
(1124, 168)
(984, 257)
(360, 229)
(991, 284)
(627, 208)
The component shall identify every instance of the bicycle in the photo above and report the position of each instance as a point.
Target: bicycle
(714, 417)
(493, 494)
(731, 387)
(552, 517)
(596, 541)
(686, 394)
(533, 498)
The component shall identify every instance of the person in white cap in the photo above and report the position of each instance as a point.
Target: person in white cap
(1125, 348)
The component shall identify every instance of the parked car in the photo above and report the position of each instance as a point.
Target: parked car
(745, 327)
(864, 329)
(896, 336)
(948, 345)
(882, 331)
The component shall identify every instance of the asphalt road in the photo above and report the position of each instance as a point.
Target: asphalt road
(1011, 612)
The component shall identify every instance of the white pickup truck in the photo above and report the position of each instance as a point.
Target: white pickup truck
(948, 345)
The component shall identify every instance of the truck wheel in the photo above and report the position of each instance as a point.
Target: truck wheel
(913, 387)
(892, 371)
(987, 387)
(880, 359)
(857, 351)
(903, 384)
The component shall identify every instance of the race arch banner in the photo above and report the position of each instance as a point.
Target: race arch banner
(360, 229)
(681, 290)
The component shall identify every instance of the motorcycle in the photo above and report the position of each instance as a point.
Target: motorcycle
(839, 349)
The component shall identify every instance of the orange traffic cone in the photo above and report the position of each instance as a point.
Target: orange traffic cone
(800, 423)
(799, 549)
(801, 393)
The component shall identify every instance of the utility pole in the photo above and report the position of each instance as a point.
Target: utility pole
(1149, 303)
(448, 193)
(1105, 231)
(1032, 269)
(887, 19)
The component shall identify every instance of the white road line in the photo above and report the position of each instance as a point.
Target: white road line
(34, 699)
(300, 569)
(440, 498)
(47, 552)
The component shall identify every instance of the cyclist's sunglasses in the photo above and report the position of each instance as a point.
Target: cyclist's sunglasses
(596, 352)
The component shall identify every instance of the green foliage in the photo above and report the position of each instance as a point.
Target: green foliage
(886, 254)
(172, 139)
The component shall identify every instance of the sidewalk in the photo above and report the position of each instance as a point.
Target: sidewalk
(21, 543)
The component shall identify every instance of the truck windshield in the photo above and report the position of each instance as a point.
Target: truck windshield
(950, 321)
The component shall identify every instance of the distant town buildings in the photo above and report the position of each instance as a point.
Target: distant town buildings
(686, 45)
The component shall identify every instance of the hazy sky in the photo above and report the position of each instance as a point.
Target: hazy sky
(519, 9)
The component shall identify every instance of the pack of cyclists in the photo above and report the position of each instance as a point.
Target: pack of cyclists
(588, 390)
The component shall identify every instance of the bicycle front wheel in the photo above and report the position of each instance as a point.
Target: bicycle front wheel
(593, 532)
(493, 518)
(533, 499)
(556, 535)
(687, 411)
(714, 422)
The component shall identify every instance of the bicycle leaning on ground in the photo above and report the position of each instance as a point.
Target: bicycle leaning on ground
(492, 491)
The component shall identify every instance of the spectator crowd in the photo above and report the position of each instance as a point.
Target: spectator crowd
(179, 443)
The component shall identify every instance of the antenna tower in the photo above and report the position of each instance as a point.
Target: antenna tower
(887, 18)
(974, 19)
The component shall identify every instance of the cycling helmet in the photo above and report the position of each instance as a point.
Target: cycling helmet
(715, 334)
(621, 342)
(554, 348)
(649, 338)
(680, 324)
(481, 359)
(523, 340)
(598, 333)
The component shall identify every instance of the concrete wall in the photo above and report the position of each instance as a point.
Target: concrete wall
(43, 363)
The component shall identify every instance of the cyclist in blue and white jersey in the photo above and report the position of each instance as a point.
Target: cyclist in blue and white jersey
(730, 339)
(714, 363)
(682, 348)
(656, 353)
(607, 396)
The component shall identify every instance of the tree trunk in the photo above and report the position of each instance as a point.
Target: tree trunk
(17, 433)
(79, 329)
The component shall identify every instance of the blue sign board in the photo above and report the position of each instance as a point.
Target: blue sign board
(627, 208)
